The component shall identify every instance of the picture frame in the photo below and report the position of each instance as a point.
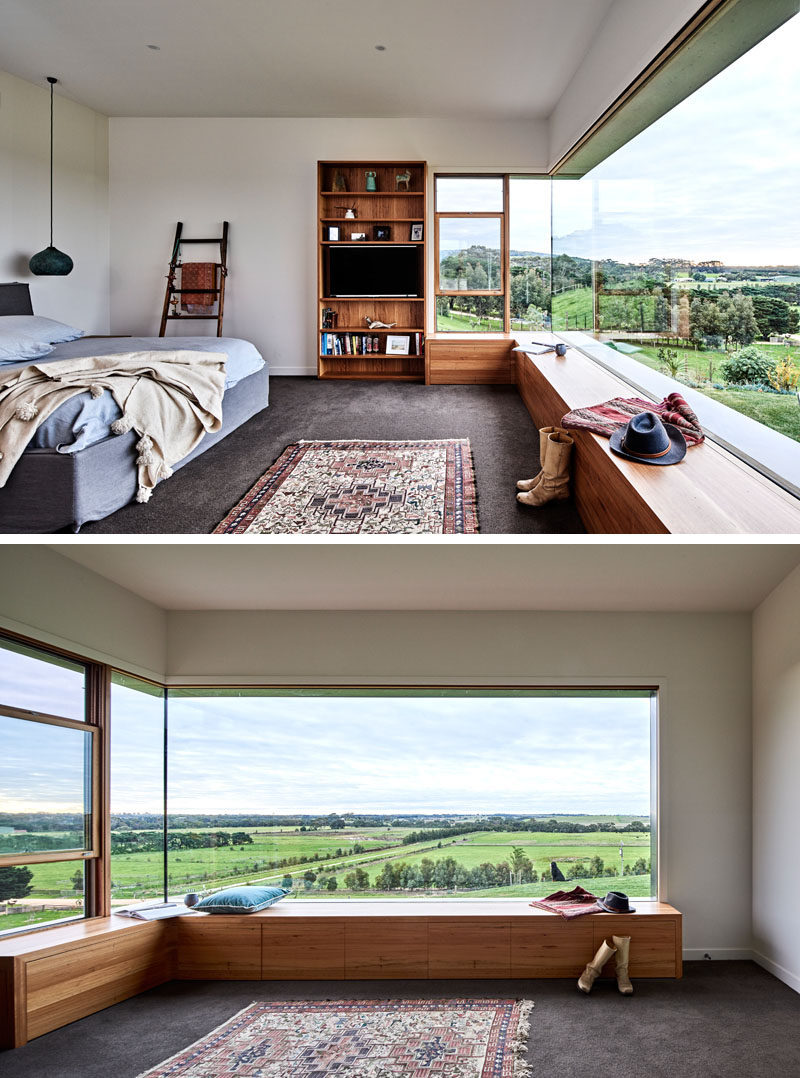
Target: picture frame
(358, 236)
(417, 230)
(382, 232)
(333, 232)
(397, 345)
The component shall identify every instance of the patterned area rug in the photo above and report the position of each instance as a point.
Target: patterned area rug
(451, 1038)
(368, 488)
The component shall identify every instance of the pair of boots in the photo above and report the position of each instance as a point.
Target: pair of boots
(620, 946)
(552, 482)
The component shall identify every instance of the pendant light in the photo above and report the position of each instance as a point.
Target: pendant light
(51, 262)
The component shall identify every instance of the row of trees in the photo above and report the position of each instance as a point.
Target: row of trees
(551, 826)
(153, 841)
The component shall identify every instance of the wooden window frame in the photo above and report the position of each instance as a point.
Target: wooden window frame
(501, 215)
(94, 853)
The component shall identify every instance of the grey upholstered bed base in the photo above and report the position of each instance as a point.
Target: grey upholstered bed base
(49, 491)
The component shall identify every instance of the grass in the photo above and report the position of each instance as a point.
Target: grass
(780, 412)
(22, 920)
(573, 309)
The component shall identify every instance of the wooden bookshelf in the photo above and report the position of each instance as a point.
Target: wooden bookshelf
(343, 350)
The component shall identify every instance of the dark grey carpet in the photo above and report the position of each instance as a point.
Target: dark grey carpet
(723, 1020)
(505, 446)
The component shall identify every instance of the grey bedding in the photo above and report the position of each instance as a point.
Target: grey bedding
(85, 420)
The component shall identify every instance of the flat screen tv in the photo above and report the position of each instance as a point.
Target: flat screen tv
(358, 271)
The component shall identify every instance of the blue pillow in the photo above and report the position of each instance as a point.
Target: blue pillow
(16, 348)
(241, 900)
(42, 329)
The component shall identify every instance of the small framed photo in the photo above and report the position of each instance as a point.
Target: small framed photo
(416, 230)
(382, 232)
(358, 236)
(333, 232)
(397, 346)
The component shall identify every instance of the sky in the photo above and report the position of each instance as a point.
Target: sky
(387, 755)
(715, 178)
(318, 755)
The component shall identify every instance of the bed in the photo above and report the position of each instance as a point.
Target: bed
(75, 470)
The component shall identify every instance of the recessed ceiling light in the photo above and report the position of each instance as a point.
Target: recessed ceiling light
(155, 48)
(380, 48)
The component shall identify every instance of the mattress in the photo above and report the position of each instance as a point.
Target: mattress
(85, 420)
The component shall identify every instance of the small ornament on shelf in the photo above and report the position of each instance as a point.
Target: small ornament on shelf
(339, 182)
(402, 179)
(371, 185)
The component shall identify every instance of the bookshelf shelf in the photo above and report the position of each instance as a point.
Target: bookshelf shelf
(340, 317)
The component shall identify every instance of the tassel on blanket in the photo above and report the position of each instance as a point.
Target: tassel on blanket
(143, 494)
(146, 454)
(26, 411)
(165, 471)
(96, 390)
(121, 426)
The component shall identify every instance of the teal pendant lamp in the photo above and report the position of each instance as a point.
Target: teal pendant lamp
(51, 262)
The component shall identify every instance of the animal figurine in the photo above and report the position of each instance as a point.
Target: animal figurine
(402, 178)
(378, 325)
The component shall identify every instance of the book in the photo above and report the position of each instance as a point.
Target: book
(154, 913)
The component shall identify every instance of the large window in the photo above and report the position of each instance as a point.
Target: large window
(681, 249)
(425, 794)
(49, 826)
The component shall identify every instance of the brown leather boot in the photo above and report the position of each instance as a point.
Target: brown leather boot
(592, 971)
(554, 484)
(529, 484)
(623, 945)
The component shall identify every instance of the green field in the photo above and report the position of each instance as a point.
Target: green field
(573, 309)
(138, 875)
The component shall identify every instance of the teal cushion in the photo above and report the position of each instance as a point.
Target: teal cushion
(241, 900)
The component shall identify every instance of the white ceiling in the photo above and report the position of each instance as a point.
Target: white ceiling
(569, 576)
(469, 59)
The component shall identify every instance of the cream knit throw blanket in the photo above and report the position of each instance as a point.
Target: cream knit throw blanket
(171, 399)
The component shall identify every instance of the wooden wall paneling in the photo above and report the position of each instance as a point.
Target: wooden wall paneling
(465, 948)
(458, 362)
(219, 948)
(378, 948)
(302, 950)
(76, 982)
(551, 946)
(652, 950)
(13, 1003)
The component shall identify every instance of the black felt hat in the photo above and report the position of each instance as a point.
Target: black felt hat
(649, 440)
(616, 902)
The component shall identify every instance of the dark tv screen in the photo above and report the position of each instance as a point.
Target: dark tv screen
(373, 271)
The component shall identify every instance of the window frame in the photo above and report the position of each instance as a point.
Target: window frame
(501, 215)
(94, 853)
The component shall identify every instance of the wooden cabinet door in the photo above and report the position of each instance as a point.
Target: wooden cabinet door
(302, 950)
(655, 944)
(377, 948)
(462, 948)
(219, 948)
(551, 947)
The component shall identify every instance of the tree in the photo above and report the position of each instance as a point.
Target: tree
(15, 882)
(286, 882)
(77, 880)
(332, 884)
(596, 866)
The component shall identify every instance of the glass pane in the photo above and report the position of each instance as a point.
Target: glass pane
(137, 790)
(469, 314)
(469, 194)
(529, 252)
(41, 894)
(682, 250)
(469, 254)
(384, 795)
(37, 681)
(45, 787)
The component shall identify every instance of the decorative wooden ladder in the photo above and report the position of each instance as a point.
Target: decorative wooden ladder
(172, 294)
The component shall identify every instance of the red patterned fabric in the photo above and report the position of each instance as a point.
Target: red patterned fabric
(569, 904)
(611, 415)
(198, 275)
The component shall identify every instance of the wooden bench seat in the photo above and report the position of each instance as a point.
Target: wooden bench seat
(54, 976)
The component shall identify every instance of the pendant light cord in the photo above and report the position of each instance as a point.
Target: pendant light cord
(52, 82)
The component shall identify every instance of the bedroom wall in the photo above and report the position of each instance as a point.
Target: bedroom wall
(260, 174)
(702, 663)
(80, 199)
(56, 601)
(776, 765)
